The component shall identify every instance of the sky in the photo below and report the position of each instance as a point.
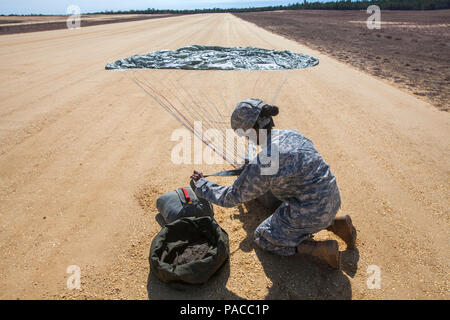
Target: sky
(86, 6)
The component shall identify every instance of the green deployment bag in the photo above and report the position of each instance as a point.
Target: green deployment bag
(182, 203)
(189, 250)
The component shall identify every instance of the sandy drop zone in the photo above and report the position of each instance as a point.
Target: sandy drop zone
(84, 154)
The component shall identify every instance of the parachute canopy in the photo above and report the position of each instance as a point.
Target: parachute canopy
(217, 58)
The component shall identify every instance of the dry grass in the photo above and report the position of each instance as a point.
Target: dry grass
(410, 50)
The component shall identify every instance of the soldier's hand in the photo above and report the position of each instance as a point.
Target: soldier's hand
(197, 176)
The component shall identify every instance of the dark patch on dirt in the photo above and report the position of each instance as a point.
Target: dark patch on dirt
(10, 21)
(410, 50)
(46, 26)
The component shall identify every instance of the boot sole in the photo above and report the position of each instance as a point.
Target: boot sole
(351, 242)
(335, 247)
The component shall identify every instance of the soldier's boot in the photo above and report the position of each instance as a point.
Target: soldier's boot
(344, 229)
(326, 251)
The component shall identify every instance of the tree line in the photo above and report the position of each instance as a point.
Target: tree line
(305, 5)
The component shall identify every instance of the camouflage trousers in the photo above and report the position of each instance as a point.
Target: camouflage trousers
(281, 234)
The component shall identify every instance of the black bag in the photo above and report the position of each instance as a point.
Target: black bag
(189, 250)
(182, 203)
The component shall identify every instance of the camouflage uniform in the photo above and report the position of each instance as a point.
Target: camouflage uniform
(303, 182)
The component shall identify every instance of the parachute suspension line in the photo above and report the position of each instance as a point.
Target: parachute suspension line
(184, 106)
(156, 99)
(254, 86)
(199, 106)
(186, 109)
(219, 124)
(200, 115)
(208, 142)
(208, 121)
(186, 123)
(226, 123)
(235, 89)
(219, 114)
(171, 109)
(190, 126)
(275, 97)
(170, 104)
(225, 104)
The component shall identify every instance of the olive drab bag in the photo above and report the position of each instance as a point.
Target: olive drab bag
(191, 247)
(182, 203)
(189, 250)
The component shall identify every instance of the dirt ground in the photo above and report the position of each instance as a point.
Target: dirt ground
(84, 154)
(19, 24)
(410, 50)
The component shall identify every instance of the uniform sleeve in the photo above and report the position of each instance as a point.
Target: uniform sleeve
(248, 186)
